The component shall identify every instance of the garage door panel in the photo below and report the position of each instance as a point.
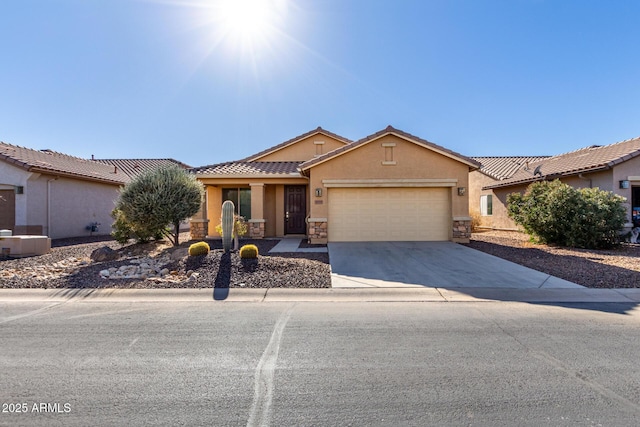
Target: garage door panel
(388, 214)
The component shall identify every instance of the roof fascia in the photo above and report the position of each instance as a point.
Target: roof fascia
(276, 148)
(547, 177)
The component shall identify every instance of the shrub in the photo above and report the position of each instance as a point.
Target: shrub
(476, 220)
(249, 251)
(200, 248)
(156, 199)
(123, 230)
(553, 212)
(240, 227)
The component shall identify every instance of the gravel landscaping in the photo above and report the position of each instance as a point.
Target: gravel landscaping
(68, 266)
(612, 268)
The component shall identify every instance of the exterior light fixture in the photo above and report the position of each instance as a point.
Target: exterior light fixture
(462, 191)
(624, 183)
(318, 192)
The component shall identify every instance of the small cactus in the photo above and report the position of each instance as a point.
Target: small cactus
(249, 251)
(227, 224)
(200, 248)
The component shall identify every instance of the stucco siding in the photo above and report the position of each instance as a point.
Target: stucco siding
(75, 204)
(373, 161)
(305, 149)
(477, 180)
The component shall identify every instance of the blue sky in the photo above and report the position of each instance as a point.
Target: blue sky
(180, 79)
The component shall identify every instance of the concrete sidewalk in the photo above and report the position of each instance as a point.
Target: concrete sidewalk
(422, 294)
(293, 245)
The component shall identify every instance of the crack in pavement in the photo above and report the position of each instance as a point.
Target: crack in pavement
(260, 413)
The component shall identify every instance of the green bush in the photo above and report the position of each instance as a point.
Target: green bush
(123, 230)
(553, 212)
(154, 200)
(249, 251)
(200, 248)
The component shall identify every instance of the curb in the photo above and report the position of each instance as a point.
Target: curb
(535, 295)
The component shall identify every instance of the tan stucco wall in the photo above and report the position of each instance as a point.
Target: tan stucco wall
(214, 208)
(412, 162)
(270, 210)
(305, 149)
(477, 180)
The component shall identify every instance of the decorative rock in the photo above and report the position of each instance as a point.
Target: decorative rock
(104, 253)
(179, 254)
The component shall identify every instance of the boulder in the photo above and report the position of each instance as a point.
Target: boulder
(104, 253)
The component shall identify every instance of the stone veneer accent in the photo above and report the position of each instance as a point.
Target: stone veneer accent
(256, 229)
(461, 229)
(317, 229)
(199, 229)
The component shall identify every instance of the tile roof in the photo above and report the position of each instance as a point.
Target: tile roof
(133, 167)
(588, 159)
(247, 169)
(505, 167)
(390, 130)
(52, 162)
(263, 153)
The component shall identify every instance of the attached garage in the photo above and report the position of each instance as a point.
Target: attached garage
(389, 186)
(389, 214)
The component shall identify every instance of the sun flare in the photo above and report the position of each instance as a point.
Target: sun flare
(249, 22)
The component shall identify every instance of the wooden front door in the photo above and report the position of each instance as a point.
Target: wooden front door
(295, 207)
(7, 210)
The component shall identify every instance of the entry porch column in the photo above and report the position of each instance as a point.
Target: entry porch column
(257, 221)
(199, 224)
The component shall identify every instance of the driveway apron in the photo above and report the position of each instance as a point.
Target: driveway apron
(429, 264)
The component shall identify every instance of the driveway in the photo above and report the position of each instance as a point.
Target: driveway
(429, 264)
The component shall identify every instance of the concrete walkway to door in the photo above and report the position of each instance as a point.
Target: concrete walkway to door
(429, 264)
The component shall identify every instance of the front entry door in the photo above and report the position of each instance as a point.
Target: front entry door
(7, 210)
(295, 207)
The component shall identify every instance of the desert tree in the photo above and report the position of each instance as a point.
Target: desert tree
(153, 201)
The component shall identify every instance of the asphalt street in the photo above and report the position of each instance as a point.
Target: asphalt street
(318, 363)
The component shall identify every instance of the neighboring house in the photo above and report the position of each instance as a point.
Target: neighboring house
(53, 194)
(488, 207)
(133, 167)
(614, 167)
(387, 186)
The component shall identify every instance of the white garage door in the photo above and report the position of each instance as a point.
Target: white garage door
(388, 214)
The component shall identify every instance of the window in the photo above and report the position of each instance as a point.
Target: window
(486, 205)
(241, 198)
(635, 206)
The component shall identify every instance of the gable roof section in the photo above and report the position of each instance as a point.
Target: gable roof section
(54, 163)
(244, 169)
(588, 159)
(504, 167)
(133, 167)
(318, 130)
(473, 165)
